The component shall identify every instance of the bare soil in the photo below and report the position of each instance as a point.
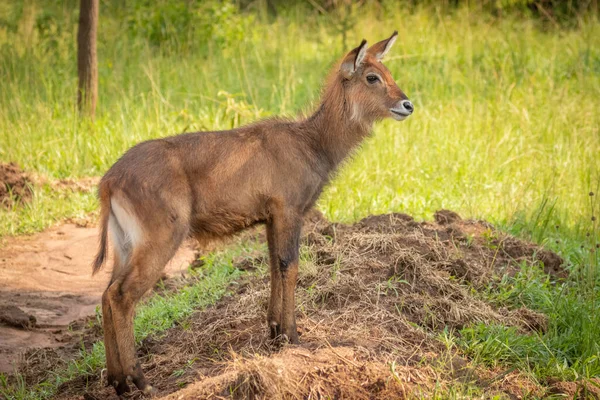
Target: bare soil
(46, 286)
(373, 298)
(15, 185)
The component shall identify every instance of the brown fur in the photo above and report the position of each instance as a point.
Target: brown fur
(213, 184)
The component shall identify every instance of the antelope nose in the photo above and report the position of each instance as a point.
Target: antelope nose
(408, 106)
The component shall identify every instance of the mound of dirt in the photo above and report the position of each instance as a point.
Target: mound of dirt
(302, 373)
(576, 390)
(372, 300)
(424, 271)
(15, 185)
(11, 315)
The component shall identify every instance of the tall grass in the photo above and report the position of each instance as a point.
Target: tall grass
(506, 125)
(506, 114)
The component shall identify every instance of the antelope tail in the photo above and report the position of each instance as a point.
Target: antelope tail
(104, 196)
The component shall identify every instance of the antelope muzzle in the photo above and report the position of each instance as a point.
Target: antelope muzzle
(402, 110)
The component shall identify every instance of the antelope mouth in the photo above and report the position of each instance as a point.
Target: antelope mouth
(402, 109)
(399, 115)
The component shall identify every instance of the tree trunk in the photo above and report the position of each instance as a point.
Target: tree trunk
(87, 64)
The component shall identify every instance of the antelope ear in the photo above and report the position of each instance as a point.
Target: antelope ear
(353, 60)
(380, 49)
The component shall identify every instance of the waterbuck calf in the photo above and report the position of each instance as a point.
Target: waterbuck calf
(213, 184)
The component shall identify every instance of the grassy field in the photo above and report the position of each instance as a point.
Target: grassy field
(506, 128)
(506, 115)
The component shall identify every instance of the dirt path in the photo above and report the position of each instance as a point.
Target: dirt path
(47, 276)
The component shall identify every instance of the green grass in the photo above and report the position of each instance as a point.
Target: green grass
(506, 114)
(570, 346)
(506, 128)
(568, 349)
(46, 207)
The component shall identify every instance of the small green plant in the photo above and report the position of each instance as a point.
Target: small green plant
(180, 372)
(490, 239)
(337, 265)
(470, 238)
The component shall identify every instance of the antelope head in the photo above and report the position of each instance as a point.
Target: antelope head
(370, 88)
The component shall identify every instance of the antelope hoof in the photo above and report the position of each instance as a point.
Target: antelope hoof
(120, 385)
(149, 390)
(291, 338)
(141, 383)
(274, 330)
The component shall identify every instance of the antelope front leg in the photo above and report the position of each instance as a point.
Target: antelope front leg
(289, 277)
(274, 311)
(283, 234)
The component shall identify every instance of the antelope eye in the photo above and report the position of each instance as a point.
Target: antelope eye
(372, 78)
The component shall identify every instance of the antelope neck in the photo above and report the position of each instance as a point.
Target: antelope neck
(333, 128)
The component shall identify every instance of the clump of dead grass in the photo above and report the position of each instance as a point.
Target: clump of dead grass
(15, 185)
